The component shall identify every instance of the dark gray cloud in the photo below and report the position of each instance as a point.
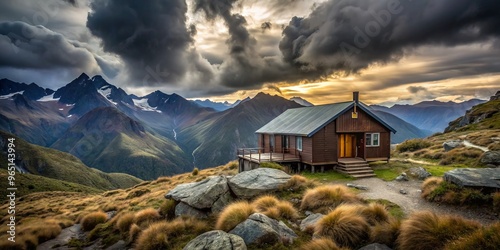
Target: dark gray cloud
(416, 89)
(151, 37)
(349, 35)
(24, 46)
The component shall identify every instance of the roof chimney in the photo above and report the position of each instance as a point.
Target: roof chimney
(355, 96)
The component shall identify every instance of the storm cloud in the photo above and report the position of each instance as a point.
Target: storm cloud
(349, 35)
(151, 37)
(23, 46)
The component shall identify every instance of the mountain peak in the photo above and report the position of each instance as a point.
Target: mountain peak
(83, 76)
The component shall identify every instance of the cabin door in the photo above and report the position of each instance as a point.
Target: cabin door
(347, 145)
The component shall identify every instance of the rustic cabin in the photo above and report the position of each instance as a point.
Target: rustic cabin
(342, 136)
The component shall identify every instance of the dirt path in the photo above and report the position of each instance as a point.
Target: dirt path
(412, 202)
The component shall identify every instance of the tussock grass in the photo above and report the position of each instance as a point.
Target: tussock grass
(147, 215)
(90, 221)
(321, 244)
(298, 183)
(170, 234)
(125, 221)
(449, 193)
(234, 214)
(430, 185)
(272, 165)
(375, 213)
(134, 232)
(137, 193)
(461, 155)
(282, 210)
(413, 145)
(263, 203)
(496, 201)
(426, 230)
(386, 232)
(167, 209)
(345, 225)
(484, 238)
(325, 198)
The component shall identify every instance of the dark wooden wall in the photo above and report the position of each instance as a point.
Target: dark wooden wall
(382, 151)
(364, 123)
(325, 143)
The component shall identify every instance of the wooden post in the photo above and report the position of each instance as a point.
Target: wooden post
(271, 156)
(312, 168)
(259, 155)
(322, 169)
(283, 153)
(250, 154)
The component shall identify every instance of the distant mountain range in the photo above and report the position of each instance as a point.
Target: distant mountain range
(431, 116)
(153, 135)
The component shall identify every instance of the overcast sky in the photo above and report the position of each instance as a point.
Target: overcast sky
(391, 51)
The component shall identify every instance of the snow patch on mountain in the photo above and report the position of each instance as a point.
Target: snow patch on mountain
(49, 98)
(105, 91)
(144, 105)
(11, 95)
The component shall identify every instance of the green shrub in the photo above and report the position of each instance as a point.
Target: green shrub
(413, 145)
(195, 171)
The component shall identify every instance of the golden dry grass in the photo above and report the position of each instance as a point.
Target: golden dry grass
(321, 244)
(375, 213)
(234, 214)
(323, 199)
(484, 238)
(91, 220)
(124, 222)
(134, 232)
(429, 185)
(298, 183)
(263, 203)
(386, 232)
(147, 215)
(170, 234)
(167, 209)
(345, 225)
(496, 201)
(426, 230)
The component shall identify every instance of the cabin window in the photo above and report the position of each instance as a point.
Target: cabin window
(373, 139)
(298, 141)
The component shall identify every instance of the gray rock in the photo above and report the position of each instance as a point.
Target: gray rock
(402, 191)
(375, 246)
(260, 229)
(402, 177)
(119, 245)
(360, 187)
(216, 240)
(184, 209)
(310, 221)
(449, 145)
(474, 177)
(255, 182)
(308, 213)
(419, 172)
(491, 158)
(202, 194)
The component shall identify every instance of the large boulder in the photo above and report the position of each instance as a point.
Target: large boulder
(216, 240)
(255, 182)
(474, 177)
(449, 145)
(310, 221)
(260, 229)
(212, 192)
(184, 209)
(491, 158)
(419, 172)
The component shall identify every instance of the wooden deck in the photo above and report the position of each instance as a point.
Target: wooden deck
(255, 155)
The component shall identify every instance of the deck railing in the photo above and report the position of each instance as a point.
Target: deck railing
(257, 154)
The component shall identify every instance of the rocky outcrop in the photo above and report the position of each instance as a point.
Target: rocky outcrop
(474, 177)
(419, 173)
(216, 240)
(449, 145)
(212, 193)
(255, 182)
(491, 159)
(260, 229)
(184, 209)
(310, 221)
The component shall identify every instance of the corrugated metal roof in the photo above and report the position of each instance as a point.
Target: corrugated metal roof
(308, 120)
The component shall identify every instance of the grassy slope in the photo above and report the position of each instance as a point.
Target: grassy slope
(29, 183)
(58, 165)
